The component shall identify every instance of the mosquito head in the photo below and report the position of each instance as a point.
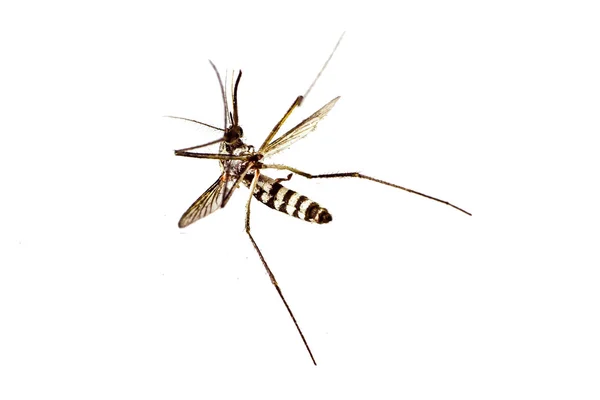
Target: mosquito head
(233, 134)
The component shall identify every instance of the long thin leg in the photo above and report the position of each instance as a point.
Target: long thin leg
(324, 65)
(212, 156)
(275, 129)
(200, 145)
(358, 175)
(298, 101)
(271, 276)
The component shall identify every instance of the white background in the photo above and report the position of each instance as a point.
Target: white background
(494, 108)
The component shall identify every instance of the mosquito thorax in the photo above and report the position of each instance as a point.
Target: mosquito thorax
(255, 158)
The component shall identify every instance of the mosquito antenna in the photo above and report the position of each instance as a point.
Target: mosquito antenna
(324, 66)
(225, 113)
(222, 94)
(227, 99)
(205, 124)
(230, 93)
(196, 122)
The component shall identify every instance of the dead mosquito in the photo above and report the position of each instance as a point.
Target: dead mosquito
(243, 164)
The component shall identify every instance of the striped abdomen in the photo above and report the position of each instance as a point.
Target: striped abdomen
(280, 198)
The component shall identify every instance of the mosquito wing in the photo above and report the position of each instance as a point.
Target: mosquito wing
(215, 197)
(299, 131)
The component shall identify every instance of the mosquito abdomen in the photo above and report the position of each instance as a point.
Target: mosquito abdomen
(280, 198)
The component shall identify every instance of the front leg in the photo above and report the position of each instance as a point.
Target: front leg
(212, 156)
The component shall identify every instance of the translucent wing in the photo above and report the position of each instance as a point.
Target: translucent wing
(299, 131)
(210, 201)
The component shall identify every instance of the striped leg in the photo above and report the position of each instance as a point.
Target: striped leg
(358, 175)
(264, 262)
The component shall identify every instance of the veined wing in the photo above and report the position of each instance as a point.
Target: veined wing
(299, 131)
(210, 201)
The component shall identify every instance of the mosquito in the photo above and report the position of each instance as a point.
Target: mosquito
(243, 164)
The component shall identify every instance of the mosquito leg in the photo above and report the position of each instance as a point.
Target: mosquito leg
(324, 65)
(298, 101)
(213, 156)
(200, 146)
(279, 180)
(276, 128)
(262, 259)
(358, 175)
